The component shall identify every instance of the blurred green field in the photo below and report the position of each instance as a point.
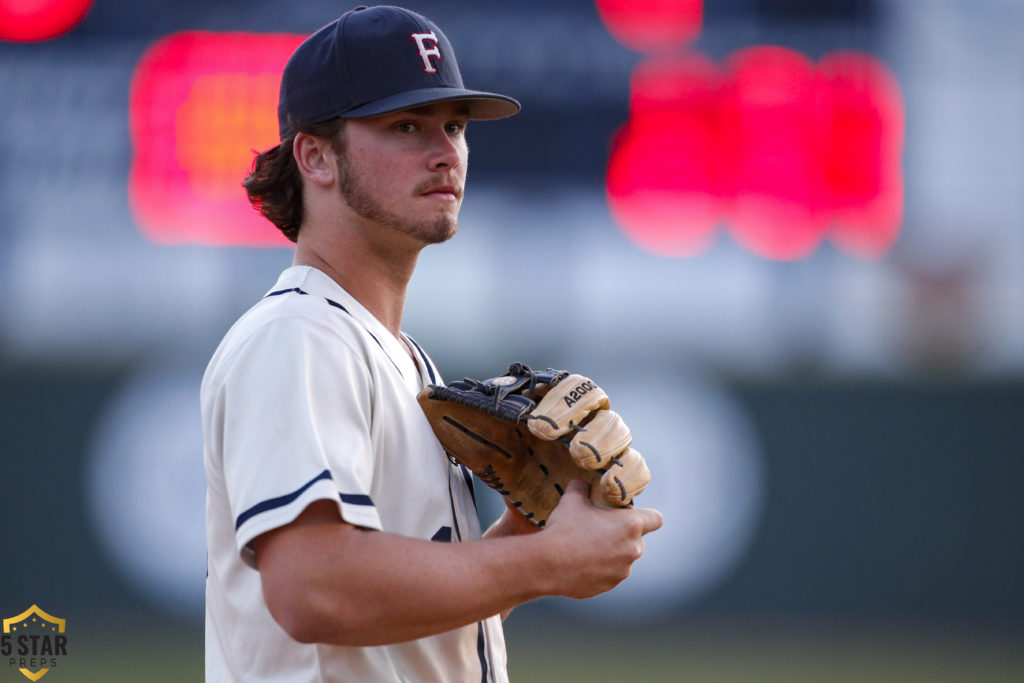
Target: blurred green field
(766, 653)
(567, 651)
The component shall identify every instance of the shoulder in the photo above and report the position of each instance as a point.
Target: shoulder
(294, 314)
(281, 329)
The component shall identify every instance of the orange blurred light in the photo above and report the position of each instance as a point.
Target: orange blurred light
(214, 129)
(26, 21)
(201, 104)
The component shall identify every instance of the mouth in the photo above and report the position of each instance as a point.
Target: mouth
(443, 192)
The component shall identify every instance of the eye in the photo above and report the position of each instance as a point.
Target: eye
(406, 127)
(455, 128)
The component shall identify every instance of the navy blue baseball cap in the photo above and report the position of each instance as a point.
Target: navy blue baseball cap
(377, 60)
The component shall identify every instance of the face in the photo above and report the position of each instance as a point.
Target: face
(405, 172)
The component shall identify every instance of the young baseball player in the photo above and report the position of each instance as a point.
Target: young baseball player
(343, 544)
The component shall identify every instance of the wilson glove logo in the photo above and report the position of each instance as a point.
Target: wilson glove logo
(33, 642)
(579, 392)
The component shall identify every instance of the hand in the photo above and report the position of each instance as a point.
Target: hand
(511, 523)
(593, 548)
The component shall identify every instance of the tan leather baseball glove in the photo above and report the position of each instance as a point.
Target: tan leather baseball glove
(527, 434)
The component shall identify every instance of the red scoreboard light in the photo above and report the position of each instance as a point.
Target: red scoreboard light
(663, 176)
(27, 21)
(861, 164)
(652, 25)
(769, 126)
(781, 151)
(200, 104)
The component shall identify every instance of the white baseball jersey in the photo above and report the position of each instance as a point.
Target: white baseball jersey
(309, 397)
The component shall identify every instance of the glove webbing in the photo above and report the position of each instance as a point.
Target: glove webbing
(509, 401)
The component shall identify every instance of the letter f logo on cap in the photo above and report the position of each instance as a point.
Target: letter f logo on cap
(427, 52)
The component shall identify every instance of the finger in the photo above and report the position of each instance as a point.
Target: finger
(626, 477)
(577, 488)
(606, 435)
(566, 404)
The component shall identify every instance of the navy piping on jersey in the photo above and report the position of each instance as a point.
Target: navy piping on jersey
(469, 483)
(296, 290)
(481, 650)
(280, 501)
(455, 517)
(426, 361)
(356, 499)
(288, 498)
(337, 305)
(433, 380)
(481, 638)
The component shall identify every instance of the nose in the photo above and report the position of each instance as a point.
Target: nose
(446, 152)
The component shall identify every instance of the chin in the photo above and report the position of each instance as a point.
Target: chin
(445, 234)
(440, 231)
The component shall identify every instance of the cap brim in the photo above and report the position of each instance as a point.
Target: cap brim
(482, 105)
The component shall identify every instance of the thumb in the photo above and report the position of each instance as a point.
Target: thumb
(652, 519)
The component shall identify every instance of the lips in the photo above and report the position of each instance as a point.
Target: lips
(450, 190)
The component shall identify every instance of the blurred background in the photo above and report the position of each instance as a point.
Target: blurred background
(787, 237)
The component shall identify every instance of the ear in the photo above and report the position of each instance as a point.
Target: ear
(314, 158)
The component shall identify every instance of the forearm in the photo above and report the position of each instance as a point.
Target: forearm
(327, 581)
(510, 523)
(371, 588)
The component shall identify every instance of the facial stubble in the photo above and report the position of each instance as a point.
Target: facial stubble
(366, 206)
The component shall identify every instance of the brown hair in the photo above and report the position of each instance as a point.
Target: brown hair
(274, 183)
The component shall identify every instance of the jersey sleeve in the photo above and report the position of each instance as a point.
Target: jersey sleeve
(295, 405)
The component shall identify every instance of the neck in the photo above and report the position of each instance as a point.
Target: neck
(375, 276)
